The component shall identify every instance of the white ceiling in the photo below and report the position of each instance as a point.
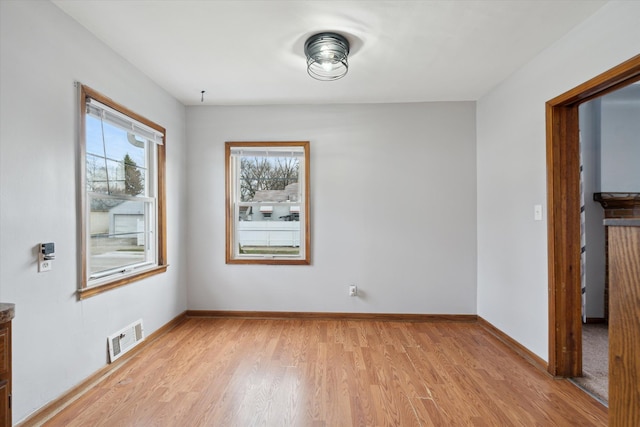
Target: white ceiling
(251, 52)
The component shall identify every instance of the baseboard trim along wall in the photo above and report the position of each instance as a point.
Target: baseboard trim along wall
(55, 406)
(391, 317)
(514, 345)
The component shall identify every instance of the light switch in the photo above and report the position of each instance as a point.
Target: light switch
(537, 212)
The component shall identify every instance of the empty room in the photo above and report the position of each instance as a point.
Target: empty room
(314, 213)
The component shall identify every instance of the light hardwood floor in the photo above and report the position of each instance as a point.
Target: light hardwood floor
(253, 372)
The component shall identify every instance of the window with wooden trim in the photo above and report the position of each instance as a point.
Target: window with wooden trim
(122, 182)
(267, 194)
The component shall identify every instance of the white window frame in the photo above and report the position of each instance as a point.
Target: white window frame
(153, 199)
(300, 229)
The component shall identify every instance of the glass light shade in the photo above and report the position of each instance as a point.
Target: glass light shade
(327, 56)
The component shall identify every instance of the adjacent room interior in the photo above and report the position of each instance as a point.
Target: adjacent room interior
(399, 212)
(609, 127)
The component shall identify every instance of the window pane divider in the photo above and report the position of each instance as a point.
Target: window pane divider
(285, 203)
(120, 270)
(126, 197)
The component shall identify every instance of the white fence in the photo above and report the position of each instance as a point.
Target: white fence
(269, 233)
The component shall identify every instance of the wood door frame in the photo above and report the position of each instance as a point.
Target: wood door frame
(563, 210)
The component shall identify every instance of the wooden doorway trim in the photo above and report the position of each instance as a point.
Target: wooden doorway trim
(563, 210)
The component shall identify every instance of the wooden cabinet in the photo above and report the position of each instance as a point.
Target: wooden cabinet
(5, 409)
(624, 323)
(6, 314)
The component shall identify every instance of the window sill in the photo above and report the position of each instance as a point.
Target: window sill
(85, 293)
(268, 261)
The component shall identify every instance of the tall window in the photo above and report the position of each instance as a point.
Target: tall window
(267, 202)
(122, 195)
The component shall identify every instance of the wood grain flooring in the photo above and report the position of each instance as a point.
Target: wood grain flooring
(301, 372)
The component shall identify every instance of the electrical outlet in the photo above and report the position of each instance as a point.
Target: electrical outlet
(353, 290)
(44, 265)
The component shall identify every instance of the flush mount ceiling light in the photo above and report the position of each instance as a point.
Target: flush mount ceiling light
(327, 56)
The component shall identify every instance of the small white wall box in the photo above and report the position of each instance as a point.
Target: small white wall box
(125, 339)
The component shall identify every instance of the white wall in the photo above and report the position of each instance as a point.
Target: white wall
(620, 146)
(378, 174)
(57, 340)
(512, 247)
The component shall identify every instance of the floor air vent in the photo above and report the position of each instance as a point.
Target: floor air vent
(125, 339)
